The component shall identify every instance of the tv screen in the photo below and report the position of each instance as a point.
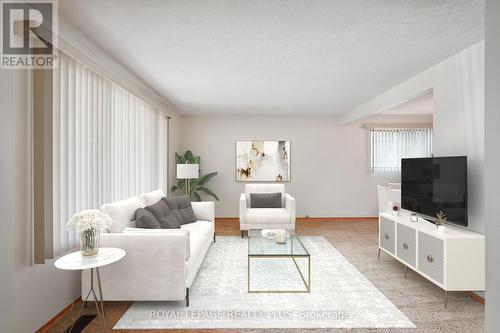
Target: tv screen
(430, 185)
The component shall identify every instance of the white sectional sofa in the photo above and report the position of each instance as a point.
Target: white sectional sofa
(160, 264)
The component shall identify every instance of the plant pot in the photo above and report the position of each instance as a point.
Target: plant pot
(89, 242)
(441, 229)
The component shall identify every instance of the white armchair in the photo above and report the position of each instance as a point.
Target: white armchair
(266, 218)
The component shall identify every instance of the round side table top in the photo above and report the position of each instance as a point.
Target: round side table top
(76, 261)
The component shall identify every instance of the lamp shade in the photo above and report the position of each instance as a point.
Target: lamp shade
(187, 171)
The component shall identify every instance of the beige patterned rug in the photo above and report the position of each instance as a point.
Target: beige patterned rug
(341, 297)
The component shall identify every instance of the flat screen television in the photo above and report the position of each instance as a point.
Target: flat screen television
(433, 184)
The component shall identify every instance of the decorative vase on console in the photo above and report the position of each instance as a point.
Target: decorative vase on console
(395, 209)
(440, 221)
(89, 224)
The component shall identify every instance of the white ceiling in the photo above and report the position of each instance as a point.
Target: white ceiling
(306, 57)
(422, 105)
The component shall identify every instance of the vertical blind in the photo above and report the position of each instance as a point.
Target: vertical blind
(389, 146)
(107, 145)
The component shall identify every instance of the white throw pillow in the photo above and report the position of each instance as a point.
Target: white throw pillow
(122, 212)
(150, 198)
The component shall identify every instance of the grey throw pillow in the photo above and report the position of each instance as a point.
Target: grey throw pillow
(144, 219)
(265, 200)
(182, 208)
(165, 216)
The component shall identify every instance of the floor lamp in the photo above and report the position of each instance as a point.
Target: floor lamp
(187, 172)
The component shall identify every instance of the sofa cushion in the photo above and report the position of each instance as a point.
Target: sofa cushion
(143, 231)
(144, 219)
(121, 212)
(267, 216)
(165, 216)
(150, 198)
(181, 207)
(265, 200)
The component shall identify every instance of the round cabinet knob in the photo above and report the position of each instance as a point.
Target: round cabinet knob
(386, 236)
(429, 258)
(405, 246)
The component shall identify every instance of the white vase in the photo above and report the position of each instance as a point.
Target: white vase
(441, 229)
(280, 236)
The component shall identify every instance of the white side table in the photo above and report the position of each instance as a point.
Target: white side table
(75, 261)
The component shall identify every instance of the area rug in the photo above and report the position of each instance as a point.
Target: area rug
(340, 297)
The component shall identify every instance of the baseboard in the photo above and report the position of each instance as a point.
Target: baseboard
(57, 317)
(475, 296)
(312, 219)
(336, 219)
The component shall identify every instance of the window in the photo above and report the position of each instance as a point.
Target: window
(107, 145)
(390, 145)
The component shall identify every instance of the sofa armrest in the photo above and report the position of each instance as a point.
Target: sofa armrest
(152, 259)
(204, 210)
(290, 207)
(243, 207)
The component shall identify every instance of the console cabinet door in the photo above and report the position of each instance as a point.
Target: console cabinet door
(430, 256)
(387, 234)
(407, 244)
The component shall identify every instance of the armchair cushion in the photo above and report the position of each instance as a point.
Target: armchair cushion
(267, 216)
(265, 188)
(266, 200)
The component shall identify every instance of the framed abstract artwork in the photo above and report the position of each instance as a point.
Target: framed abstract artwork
(263, 161)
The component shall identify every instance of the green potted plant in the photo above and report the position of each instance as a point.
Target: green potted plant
(197, 186)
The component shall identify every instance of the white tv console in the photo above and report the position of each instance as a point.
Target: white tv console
(454, 259)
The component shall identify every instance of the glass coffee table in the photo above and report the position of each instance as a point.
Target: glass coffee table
(263, 247)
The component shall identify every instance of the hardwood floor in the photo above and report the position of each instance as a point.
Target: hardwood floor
(417, 298)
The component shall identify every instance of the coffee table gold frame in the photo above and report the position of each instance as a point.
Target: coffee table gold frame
(307, 283)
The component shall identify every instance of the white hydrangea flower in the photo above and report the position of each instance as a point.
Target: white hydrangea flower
(89, 219)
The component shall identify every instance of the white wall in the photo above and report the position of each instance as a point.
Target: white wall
(7, 183)
(174, 137)
(492, 162)
(38, 292)
(329, 163)
(458, 92)
(459, 121)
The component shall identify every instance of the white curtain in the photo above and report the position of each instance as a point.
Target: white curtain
(107, 145)
(389, 146)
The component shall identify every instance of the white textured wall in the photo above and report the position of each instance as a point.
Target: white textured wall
(492, 177)
(329, 163)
